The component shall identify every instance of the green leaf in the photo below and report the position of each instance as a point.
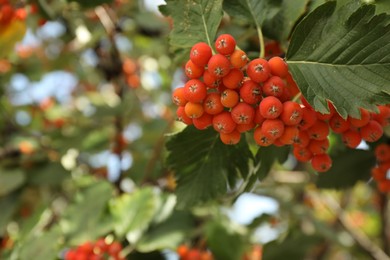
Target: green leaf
(281, 25)
(168, 234)
(49, 173)
(225, 240)
(383, 6)
(8, 206)
(82, 219)
(133, 212)
(193, 21)
(342, 55)
(252, 11)
(202, 162)
(266, 156)
(295, 246)
(10, 180)
(89, 4)
(41, 247)
(349, 167)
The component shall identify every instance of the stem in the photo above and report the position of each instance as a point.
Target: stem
(261, 41)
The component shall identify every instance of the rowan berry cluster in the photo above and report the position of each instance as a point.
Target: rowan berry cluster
(187, 253)
(98, 250)
(8, 13)
(131, 72)
(381, 172)
(234, 95)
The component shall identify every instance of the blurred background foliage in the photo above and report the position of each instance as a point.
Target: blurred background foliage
(85, 111)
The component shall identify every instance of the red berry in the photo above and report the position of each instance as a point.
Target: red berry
(309, 117)
(101, 245)
(260, 139)
(302, 139)
(382, 152)
(274, 86)
(193, 71)
(372, 131)
(195, 91)
(178, 97)
(364, 118)
(223, 123)
(182, 251)
(230, 138)
(193, 254)
(278, 67)
(114, 248)
(219, 66)
(225, 44)
(6, 14)
(319, 146)
(200, 54)
(303, 154)
(86, 247)
(325, 117)
(203, 121)
(319, 131)
(250, 92)
(290, 134)
(272, 128)
(383, 117)
(259, 119)
(292, 113)
(70, 255)
(270, 107)
(245, 127)
(212, 104)
(243, 113)
(210, 80)
(351, 138)
(233, 79)
(338, 124)
(258, 70)
(321, 162)
(193, 110)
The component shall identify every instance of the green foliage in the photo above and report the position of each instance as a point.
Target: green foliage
(193, 21)
(341, 55)
(349, 167)
(202, 162)
(10, 180)
(266, 156)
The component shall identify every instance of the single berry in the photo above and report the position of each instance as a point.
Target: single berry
(238, 59)
(383, 117)
(292, 113)
(351, 138)
(278, 67)
(203, 121)
(230, 138)
(233, 79)
(225, 44)
(270, 107)
(218, 65)
(193, 110)
(223, 123)
(290, 134)
(338, 124)
(382, 152)
(302, 140)
(319, 131)
(178, 97)
(274, 86)
(200, 54)
(212, 104)
(319, 146)
(195, 91)
(243, 113)
(193, 71)
(327, 116)
(229, 98)
(309, 118)
(114, 248)
(372, 131)
(258, 70)
(210, 80)
(250, 92)
(321, 162)
(260, 139)
(302, 154)
(364, 119)
(272, 128)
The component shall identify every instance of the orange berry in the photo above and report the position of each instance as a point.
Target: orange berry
(243, 113)
(270, 107)
(351, 138)
(302, 139)
(319, 131)
(292, 113)
(200, 54)
(319, 146)
(178, 97)
(372, 131)
(210, 80)
(229, 98)
(195, 91)
(364, 118)
(302, 154)
(233, 79)
(230, 138)
(245, 127)
(225, 44)
(218, 65)
(272, 128)
(212, 104)
(382, 152)
(193, 110)
(238, 59)
(278, 67)
(274, 86)
(290, 134)
(258, 70)
(250, 92)
(182, 116)
(309, 117)
(192, 70)
(260, 139)
(203, 121)
(338, 124)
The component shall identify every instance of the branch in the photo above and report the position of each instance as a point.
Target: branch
(364, 242)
